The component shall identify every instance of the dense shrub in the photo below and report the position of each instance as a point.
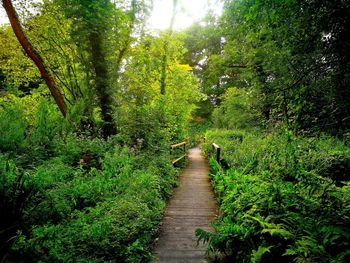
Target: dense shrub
(12, 132)
(238, 110)
(277, 201)
(101, 220)
(281, 153)
(91, 201)
(69, 195)
(197, 130)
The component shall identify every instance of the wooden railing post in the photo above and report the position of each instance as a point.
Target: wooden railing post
(218, 152)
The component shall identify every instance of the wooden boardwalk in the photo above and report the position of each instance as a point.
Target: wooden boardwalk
(192, 206)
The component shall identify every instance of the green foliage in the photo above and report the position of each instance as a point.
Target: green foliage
(197, 129)
(144, 112)
(290, 55)
(73, 196)
(107, 215)
(88, 212)
(274, 204)
(20, 74)
(204, 43)
(237, 110)
(45, 125)
(12, 131)
(68, 194)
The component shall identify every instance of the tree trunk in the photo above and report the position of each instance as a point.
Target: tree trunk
(34, 55)
(165, 48)
(102, 83)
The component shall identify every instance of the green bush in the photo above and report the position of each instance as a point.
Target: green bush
(85, 213)
(197, 130)
(68, 195)
(281, 153)
(276, 204)
(117, 228)
(161, 166)
(82, 149)
(15, 193)
(238, 110)
(47, 124)
(12, 128)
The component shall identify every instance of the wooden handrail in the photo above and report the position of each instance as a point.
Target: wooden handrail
(184, 155)
(218, 151)
(178, 144)
(216, 146)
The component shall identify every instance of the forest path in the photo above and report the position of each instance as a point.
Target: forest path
(192, 206)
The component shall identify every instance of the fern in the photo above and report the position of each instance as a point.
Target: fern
(203, 236)
(273, 207)
(278, 232)
(257, 254)
(206, 238)
(215, 167)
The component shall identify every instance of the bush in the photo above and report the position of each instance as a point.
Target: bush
(75, 197)
(85, 212)
(237, 111)
(197, 130)
(117, 228)
(275, 205)
(15, 190)
(12, 128)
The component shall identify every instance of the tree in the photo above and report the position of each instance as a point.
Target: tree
(34, 55)
(145, 112)
(204, 47)
(91, 29)
(294, 54)
(103, 31)
(165, 50)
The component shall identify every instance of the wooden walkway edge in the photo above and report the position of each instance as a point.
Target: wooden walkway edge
(192, 206)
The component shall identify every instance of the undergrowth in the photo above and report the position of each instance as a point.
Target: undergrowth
(71, 196)
(282, 198)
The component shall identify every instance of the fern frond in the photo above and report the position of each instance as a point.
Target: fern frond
(257, 254)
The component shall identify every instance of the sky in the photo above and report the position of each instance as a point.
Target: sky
(3, 17)
(188, 12)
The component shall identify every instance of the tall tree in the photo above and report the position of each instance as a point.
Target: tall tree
(144, 111)
(93, 23)
(34, 55)
(204, 46)
(301, 76)
(165, 50)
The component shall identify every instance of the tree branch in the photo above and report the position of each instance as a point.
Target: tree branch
(34, 56)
